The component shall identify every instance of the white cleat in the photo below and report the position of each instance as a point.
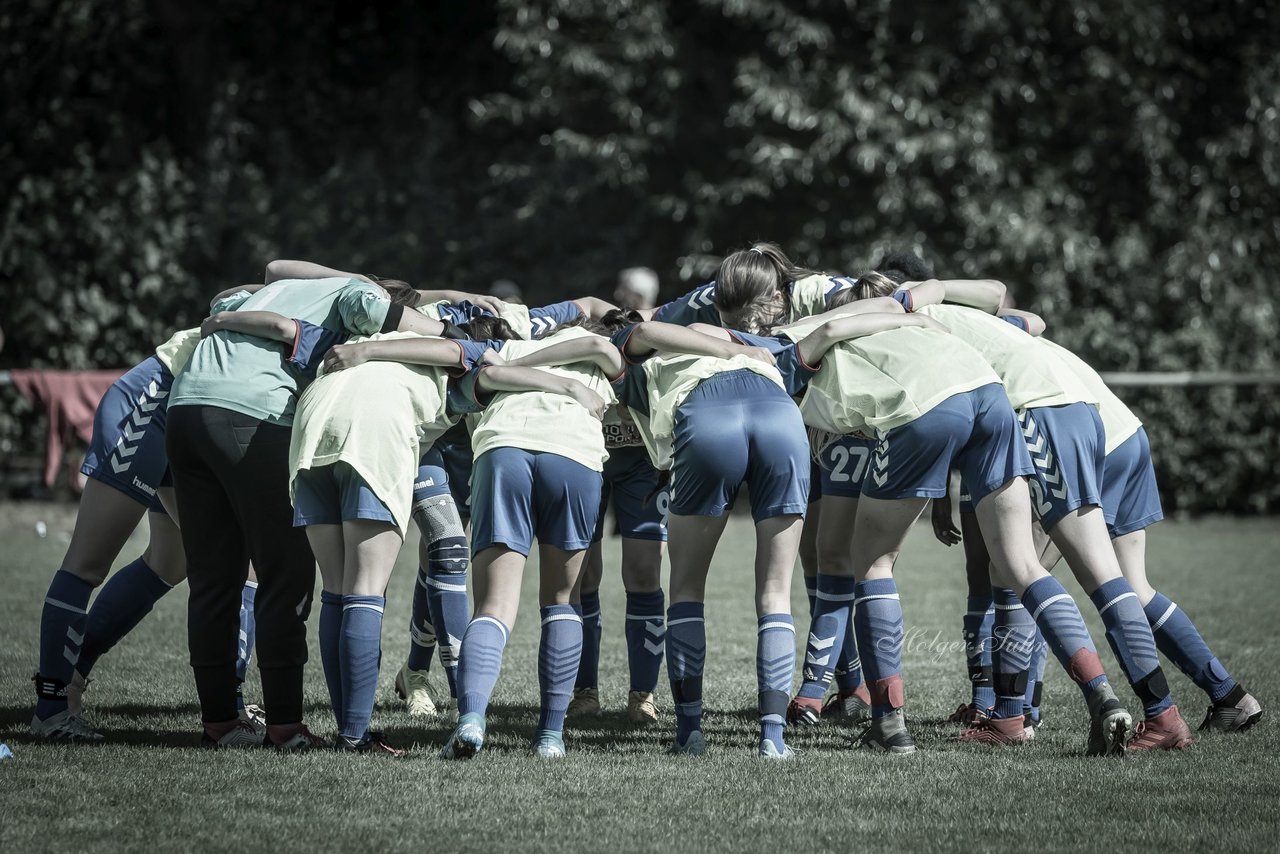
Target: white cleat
(694, 745)
(412, 687)
(771, 752)
(64, 726)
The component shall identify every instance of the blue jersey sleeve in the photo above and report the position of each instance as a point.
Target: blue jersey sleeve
(632, 389)
(310, 343)
(795, 373)
(620, 338)
(1020, 322)
(546, 319)
(904, 298)
(473, 352)
(462, 397)
(697, 306)
(837, 285)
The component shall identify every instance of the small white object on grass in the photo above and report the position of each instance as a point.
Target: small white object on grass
(42, 530)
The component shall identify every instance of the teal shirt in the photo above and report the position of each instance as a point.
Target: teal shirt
(247, 374)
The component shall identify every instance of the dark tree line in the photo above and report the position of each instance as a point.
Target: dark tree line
(1117, 163)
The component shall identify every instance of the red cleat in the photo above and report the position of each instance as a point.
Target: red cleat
(855, 705)
(1165, 731)
(997, 732)
(969, 715)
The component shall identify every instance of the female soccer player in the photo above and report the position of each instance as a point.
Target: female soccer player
(537, 474)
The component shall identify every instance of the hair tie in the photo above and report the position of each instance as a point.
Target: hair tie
(757, 251)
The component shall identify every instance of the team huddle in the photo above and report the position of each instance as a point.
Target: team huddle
(310, 420)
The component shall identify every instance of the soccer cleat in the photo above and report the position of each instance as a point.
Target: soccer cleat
(549, 745)
(888, 733)
(641, 709)
(64, 726)
(694, 745)
(242, 735)
(467, 738)
(968, 714)
(768, 750)
(75, 693)
(1236, 712)
(412, 687)
(997, 732)
(1165, 731)
(586, 701)
(299, 741)
(1030, 725)
(804, 711)
(1109, 723)
(255, 716)
(372, 743)
(855, 705)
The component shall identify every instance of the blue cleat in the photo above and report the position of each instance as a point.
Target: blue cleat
(549, 744)
(467, 738)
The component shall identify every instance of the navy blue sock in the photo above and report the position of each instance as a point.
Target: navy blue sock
(1177, 637)
(330, 646)
(775, 666)
(480, 662)
(62, 628)
(831, 616)
(1129, 635)
(1035, 677)
(422, 630)
(127, 597)
(1012, 639)
(646, 632)
(558, 655)
(361, 653)
(588, 675)
(979, 619)
(878, 621)
(686, 656)
(1059, 620)
(248, 633)
(448, 560)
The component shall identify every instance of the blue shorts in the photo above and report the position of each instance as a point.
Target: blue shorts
(455, 457)
(736, 428)
(630, 478)
(974, 431)
(1130, 499)
(842, 466)
(331, 495)
(1067, 445)
(519, 495)
(127, 450)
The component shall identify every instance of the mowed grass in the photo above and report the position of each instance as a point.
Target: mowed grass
(149, 787)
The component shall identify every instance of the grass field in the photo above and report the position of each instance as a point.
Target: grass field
(148, 788)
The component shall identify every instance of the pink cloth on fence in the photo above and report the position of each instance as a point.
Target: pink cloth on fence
(70, 399)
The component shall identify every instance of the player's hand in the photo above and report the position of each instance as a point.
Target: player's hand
(492, 357)
(211, 324)
(589, 400)
(343, 356)
(491, 304)
(944, 527)
(760, 354)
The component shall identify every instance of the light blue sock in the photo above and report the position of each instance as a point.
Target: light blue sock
(481, 660)
(330, 646)
(361, 653)
(1129, 635)
(592, 625)
(422, 630)
(558, 654)
(1035, 677)
(848, 665)
(878, 620)
(244, 648)
(775, 667)
(686, 656)
(448, 560)
(1177, 637)
(127, 597)
(62, 628)
(646, 632)
(979, 619)
(1012, 639)
(831, 616)
(1059, 620)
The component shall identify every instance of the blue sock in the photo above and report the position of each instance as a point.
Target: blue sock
(878, 622)
(361, 653)
(686, 656)
(1013, 637)
(1035, 678)
(330, 645)
(478, 666)
(448, 560)
(1177, 638)
(831, 617)
(1059, 620)
(62, 627)
(1129, 635)
(979, 619)
(645, 631)
(811, 592)
(422, 631)
(248, 634)
(775, 665)
(127, 597)
(588, 675)
(558, 655)
(848, 666)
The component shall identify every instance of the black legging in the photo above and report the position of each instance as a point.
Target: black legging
(231, 476)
